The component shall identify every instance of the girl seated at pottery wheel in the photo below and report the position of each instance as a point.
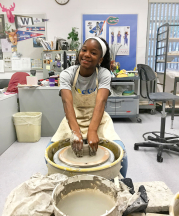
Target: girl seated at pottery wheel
(84, 89)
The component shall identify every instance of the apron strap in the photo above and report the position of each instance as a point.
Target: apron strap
(97, 78)
(76, 77)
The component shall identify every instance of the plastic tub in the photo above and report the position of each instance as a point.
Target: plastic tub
(28, 126)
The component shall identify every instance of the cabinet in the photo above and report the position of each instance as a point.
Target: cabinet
(8, 107)
(167, 52)
(123, 106)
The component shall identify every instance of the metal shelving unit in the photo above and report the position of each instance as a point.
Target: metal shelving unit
(163, 56)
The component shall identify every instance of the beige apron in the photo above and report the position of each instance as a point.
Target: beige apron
(84, 107)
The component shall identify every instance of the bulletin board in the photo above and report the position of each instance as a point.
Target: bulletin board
(119, 30)
(27, 45)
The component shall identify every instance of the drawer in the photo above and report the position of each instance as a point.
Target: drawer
(126, 107)
(111, 106)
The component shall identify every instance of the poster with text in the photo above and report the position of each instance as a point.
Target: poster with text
(119, 39)
(95, 28)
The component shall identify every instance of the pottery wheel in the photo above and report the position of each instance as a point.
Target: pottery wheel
(68, 157)
(61, 163)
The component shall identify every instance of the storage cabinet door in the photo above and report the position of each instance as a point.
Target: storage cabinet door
(110, 106)
(126, 107)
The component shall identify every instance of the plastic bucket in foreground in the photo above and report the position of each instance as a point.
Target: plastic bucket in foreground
(28, 126)
(87, 195)
(174, 206)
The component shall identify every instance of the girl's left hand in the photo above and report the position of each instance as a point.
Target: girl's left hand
(93, 140)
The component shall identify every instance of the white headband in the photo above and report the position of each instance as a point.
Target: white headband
(103, 45)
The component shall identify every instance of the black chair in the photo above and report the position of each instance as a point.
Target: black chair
(159, 139)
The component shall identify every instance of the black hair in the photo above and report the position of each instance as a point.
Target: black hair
(106, 59)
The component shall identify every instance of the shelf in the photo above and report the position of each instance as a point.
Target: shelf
(173, 39)
(173, 62)
(124, 116)
(146, 103)
(168, 62)
(122, 83)
(169, 106)
(172, 55)
(124, 97)
(124, 79)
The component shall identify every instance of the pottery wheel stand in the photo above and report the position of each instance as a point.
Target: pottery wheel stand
(66, 157)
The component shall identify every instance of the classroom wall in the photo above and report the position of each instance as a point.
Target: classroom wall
(63, 18)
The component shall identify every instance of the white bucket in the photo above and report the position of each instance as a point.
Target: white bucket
(174, 206)
(85, 183)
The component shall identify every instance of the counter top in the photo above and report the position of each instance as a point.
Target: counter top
(40, 87)
(4, 97)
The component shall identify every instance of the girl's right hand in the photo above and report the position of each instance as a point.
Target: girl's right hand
(76, 141)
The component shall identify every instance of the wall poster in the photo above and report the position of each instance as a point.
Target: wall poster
(120, 36)
(119, 30)
(95, 28)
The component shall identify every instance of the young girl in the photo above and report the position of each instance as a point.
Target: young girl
(84, 89)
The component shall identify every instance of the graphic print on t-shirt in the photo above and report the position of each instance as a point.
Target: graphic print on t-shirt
(87, 91)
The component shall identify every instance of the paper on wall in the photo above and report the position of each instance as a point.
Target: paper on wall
(6, 45)
(7, 60)
(95, 28)
(119, 39)
(26, 63)
(36, 63)
(47, 67)
(1, 66)
(21, 64)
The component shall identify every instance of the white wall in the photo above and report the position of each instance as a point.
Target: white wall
(63, 18)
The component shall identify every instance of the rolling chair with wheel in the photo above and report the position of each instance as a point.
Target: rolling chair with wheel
(158, 138)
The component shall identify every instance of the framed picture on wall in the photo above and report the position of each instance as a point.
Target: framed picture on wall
(2, 26)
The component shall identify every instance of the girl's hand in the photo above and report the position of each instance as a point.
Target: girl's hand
(93, 140)
(76, 141)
